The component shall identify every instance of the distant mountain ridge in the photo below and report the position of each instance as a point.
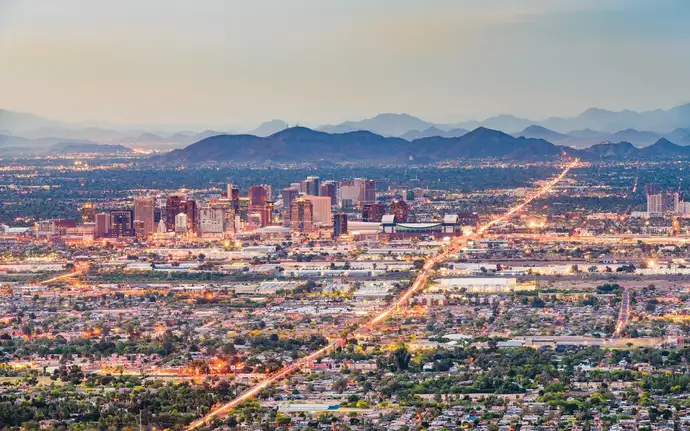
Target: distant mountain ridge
(662, 149)
(590, 127)
(79, 147)
(295, 144)
(539, 132)
(386, 124)
(432, 132)
(13, 146)
(659, 121)
(300, 144)
(586, 138)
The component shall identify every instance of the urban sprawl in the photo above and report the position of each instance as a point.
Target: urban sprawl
(556, 299)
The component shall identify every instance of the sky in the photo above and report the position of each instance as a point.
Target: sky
(236, 62)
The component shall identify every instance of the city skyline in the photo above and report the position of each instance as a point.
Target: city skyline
(223, 64)
(312, 288)
(453, 215)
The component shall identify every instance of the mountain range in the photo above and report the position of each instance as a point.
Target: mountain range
(658, 121)
(16, 146)
(292, 145)
(31, 134)
(300, 144)
(587, 138)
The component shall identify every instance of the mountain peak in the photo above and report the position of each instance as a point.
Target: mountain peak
(433, 131)
(297, 132)
(269, 128)
(392, 115)
(663, 148)
(595, 111)
(663, 142)
(539, 132)
(385, 124)
(535, 128)
(485, 131)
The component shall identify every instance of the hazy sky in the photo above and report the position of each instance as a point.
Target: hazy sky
(230, 62)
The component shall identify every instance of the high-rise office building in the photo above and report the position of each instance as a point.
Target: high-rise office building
(211, 221)
(88, 213)
(181, 223)
(180, 203)
(233, 195)
(257, 196)
(301, 215)
(399, 209)
(244, 209)
(321, 208)
(330, 189)
(312, 185)
(144, 208)
(373, 212)
(121, 223)
(189, 208)
(680, 206)
(173, 206)
(349, 193)
(339, 224)
(267, 214)
(102, 225)
(289, 194)
(225, 206)
(360, 184)
(671, 203)
(369, 191)
(297, 186)
(655, 200)
(259, 213)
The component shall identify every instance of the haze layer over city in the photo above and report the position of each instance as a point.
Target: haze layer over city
(362, 215)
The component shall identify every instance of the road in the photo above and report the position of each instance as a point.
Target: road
(63, 276)
(489, 329)
(402, 300)
(623, 313)
(79, 269)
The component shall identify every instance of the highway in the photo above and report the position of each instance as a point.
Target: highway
(402, 300)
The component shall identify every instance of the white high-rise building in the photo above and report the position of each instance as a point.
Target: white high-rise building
(655, 205)
(181, 223)
(655, 200)
(210, 220)
(350, 192)
(683, 209)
